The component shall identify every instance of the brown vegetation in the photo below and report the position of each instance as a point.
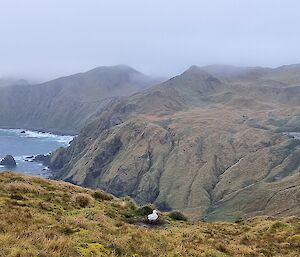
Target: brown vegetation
(83, 200)
(50, 223)
(208, 145)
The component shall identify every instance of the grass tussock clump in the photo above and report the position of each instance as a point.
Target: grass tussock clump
(51, 224)
(102, 196)
(144, 210)
(22, 187)
(176, 215)
(83, 200)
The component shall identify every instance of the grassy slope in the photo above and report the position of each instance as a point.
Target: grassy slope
(215, 143)
(65, 104)
(40, 218)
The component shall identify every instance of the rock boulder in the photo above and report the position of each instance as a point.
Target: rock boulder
(8, 161)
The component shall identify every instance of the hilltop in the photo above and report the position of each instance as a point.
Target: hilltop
(66, 104)
(200, 142)
(6, 82)
(41, 217)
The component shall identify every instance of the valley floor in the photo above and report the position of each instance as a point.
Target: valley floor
(50, 218)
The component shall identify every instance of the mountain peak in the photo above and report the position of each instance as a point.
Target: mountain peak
(115, 68)
(196, 70)
(198, 73)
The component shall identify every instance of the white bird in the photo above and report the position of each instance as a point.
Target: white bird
(153, 216)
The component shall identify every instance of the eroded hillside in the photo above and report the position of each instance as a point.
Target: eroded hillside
(197, 142)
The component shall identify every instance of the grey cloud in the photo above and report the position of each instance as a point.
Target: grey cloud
(49, 38)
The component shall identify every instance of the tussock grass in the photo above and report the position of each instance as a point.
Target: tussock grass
(22, 187)
(49, 222)
(100, 195)
(176, 215)
(83, 200)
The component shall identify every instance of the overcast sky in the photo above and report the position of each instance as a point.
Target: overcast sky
(48, 38)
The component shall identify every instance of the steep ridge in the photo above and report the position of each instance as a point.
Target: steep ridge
(66, 104)
(284, 75)
(195, 143)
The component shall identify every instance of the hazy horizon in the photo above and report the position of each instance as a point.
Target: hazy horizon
(43, 40)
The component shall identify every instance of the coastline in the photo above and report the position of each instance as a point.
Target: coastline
(31, 162)
(57, 132)
(293, 134)
(39, 134)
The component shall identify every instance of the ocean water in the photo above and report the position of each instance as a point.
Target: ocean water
(31, 143)
(296, 135)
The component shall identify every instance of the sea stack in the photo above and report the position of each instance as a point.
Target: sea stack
(8, 161)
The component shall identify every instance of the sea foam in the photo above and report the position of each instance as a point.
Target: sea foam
(65, 140)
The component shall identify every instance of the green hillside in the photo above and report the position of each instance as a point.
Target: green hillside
(51, 218)
(198, 143)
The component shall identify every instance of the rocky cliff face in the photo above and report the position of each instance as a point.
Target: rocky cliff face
(199, 143)
(66, 104)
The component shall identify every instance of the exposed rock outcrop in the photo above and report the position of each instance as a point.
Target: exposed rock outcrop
(8, 161)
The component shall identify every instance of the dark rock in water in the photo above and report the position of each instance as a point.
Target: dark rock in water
(8, 161)
(41, 158)
(44, 159)
(23, 132)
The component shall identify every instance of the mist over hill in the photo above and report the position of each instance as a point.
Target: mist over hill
(184, 142)
(65, 104)
(5, 82)
(207, 142)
